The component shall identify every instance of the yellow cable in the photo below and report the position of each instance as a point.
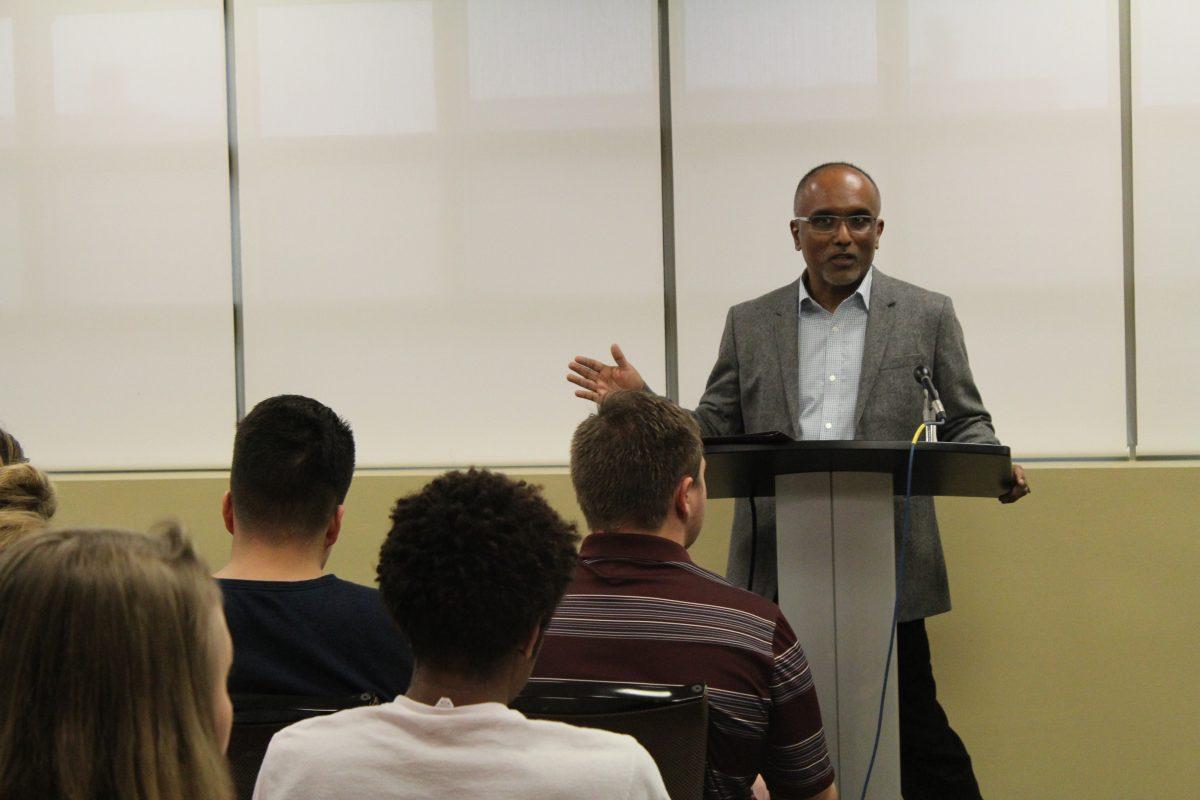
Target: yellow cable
(917, 435)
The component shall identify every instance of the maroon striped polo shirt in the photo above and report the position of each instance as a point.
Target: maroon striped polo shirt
(639, 611)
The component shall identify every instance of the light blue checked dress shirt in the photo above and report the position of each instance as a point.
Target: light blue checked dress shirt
(831, 352)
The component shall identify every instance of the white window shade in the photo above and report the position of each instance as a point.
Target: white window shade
(993, 130)
(114, 235)
(1166, 127)
(431, 281)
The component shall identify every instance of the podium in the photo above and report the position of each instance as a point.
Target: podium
(835, 528)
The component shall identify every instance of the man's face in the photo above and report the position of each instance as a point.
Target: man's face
(842, 256)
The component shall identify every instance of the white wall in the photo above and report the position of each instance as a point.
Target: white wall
(444, 200)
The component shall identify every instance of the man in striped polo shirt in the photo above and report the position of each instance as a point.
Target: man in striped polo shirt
(639, 611)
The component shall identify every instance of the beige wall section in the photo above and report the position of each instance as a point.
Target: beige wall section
(1070, 664)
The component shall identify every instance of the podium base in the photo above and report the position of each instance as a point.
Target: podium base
(835, 534)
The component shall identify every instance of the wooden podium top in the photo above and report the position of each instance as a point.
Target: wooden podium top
(747, 468)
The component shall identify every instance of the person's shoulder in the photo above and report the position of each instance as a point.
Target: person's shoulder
(721, 592)
(340, 730)
(774, 299)
(306, 758)
(895, 289)
(599, 745)
(354, 590)
(751, 603)
(314, 736)
(597, 763)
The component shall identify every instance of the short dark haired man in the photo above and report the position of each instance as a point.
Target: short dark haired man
(295, 629)
(639, 611)
(471, 570)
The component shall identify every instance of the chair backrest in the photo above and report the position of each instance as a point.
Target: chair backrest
(258, 717)
(671, 722)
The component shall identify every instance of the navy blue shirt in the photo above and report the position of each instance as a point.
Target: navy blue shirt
(324, 637)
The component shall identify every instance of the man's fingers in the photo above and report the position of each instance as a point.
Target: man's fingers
(586, 372)
(595, 398)
(619, 356)
(589, 363)
(590, 385)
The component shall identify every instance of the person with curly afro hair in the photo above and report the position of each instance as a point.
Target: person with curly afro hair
(472, 570)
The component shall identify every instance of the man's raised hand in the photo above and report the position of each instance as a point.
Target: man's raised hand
(596, 379)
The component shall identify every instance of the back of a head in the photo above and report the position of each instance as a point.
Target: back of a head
(107, 678)
(10, 449)
(471, 565)
(628, 458)
(293, 460)
(27, 501)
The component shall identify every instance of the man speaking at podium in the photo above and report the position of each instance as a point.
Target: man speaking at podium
(831, 356)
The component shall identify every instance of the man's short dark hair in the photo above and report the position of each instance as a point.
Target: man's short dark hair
(628, 458)
(293, 460)
(819, 167)
(472, 564)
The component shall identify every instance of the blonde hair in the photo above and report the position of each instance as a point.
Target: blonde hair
(27, 501)
(10, 449)
(107, 677)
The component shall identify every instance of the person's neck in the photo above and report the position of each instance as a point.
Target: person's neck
(671, 530)
(828, 296)
(428, 686)
(253, 558)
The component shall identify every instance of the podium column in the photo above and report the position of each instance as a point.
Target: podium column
(837, 587)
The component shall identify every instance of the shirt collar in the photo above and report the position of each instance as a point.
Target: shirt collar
(643, 546)
(863, 290)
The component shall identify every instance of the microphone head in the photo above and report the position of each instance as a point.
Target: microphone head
(921, 373)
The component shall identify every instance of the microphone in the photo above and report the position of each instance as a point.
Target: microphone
(923, 376)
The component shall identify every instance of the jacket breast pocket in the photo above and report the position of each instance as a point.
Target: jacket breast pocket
(910, 361)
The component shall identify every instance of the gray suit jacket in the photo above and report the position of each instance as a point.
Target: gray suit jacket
(754, 386)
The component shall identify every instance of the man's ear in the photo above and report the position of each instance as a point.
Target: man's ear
(794, 226)
(682, 499)
(533, 642)
(335, 527)
(227, 510)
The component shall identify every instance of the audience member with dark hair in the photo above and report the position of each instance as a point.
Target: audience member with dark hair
(113, 659)
(10, 450)
(471, 570)
(27, 501)
(638, 470)
(297, 630)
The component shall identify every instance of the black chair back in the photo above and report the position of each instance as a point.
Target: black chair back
(258, 717)
(671, 722)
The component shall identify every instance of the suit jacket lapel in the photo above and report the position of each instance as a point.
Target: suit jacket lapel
(880, 319)
(787, 349)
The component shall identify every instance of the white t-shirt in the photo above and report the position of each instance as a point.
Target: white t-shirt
(406, 749)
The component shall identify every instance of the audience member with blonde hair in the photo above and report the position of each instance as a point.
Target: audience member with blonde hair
(27, 501)
(113, 661)
(10, 450)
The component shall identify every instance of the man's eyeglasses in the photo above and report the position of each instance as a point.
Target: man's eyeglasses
(828, 223)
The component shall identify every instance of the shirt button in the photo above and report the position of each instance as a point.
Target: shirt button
(828, 425)
(833, 377)
(835, 328)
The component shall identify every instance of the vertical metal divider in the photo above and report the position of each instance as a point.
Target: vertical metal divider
(235, 213)
(666, 165)
(1127, 227)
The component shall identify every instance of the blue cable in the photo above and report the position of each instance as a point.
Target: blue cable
(887, 664)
